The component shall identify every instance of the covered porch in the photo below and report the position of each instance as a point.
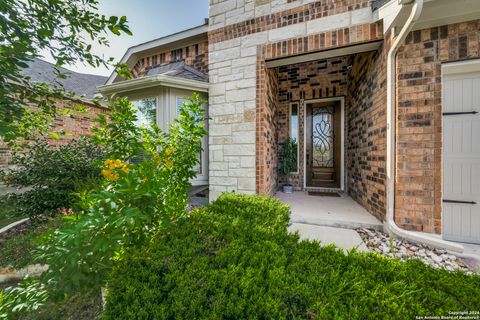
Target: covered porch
(331, 109)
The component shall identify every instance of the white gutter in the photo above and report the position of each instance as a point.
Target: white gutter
(390, 224)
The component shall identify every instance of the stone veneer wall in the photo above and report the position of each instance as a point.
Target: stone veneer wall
(242, 36)
(419, 125)
(366, 131)
(325, 78)
(197, 58)
(79, 125)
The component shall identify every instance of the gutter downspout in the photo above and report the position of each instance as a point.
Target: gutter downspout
(390, 224)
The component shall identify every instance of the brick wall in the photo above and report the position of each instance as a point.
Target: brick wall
(325, 78)
(75, 127)
(366, 131)
(195, 55)
(419, 125)
(267, 149)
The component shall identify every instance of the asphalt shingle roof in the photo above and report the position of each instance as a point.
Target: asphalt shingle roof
(83, 85)
(376, 4)
(179, 70)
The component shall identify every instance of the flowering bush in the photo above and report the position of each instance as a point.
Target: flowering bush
(135, 202)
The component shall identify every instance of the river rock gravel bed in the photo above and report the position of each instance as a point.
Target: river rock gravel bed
(383, 244)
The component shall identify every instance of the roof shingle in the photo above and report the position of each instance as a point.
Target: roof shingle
(83, 85)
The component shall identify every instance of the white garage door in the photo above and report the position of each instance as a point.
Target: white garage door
(461, 157)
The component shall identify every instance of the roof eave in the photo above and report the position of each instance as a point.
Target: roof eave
(158, 80)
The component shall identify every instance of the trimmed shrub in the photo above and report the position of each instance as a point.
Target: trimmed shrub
(235, 260)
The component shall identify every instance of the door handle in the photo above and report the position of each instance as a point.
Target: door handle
(459, 201)
(459, 113)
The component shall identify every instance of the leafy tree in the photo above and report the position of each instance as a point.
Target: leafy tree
(60, 27)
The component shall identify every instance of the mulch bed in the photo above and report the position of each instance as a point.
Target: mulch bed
(22, 228)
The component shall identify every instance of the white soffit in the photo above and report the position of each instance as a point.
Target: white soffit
(443, 12)
(435, 13)
(331, 53)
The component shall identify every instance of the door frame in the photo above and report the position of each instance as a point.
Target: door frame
(342, 141)
(451, 70)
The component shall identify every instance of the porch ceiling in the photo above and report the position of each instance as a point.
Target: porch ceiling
(337, 52)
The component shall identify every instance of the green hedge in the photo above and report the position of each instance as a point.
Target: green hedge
(235, 260)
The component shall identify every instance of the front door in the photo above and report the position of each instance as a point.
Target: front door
(323, 144)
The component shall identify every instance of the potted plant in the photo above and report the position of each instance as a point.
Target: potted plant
(288, 162)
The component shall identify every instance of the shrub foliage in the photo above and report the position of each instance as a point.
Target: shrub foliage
(132, 203)
(50, 176)
(235, 260)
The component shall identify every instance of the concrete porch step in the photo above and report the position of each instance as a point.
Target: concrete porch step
(336, 212)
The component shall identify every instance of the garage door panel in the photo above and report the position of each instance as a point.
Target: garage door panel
(475, 129)
(457, 95)
(466, 136)
(467, 94)
(461, 158)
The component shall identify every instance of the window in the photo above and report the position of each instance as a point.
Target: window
(294, 125)
(146, 112)
(180, 102)
(179, 54)
(196, 50)
(198, 167)
(187, 51)
(162, 57)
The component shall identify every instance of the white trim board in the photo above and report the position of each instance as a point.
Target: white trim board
(460, 67)
(325, 54)
(342, 142)
(153, 81)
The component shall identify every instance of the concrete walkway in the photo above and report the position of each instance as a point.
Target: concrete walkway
(346, 239)
(330, 220)
(339, 212)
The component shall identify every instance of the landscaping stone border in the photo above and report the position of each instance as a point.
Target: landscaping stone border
(388, 246)
(13, 225)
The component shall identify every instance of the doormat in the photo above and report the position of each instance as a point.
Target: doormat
(323, 194)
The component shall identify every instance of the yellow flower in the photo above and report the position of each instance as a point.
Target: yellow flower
(113, 176)
(156, 158)
(169, 151)
(106, 172)
(112, 165)
(169, 164)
